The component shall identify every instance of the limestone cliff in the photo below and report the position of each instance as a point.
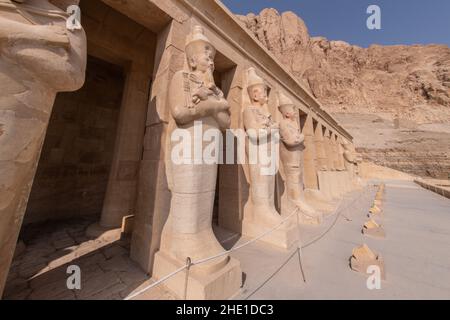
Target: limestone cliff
(395, 100)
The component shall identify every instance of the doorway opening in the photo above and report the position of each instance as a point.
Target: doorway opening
(223, 76)
(71, 178)
(76, 157)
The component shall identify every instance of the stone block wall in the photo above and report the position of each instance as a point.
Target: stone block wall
(76, 157)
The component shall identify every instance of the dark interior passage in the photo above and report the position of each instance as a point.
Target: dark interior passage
(73, 170)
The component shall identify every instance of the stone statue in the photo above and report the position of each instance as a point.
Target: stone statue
(353, 161)
(292, 160)
(350, 158)
(193, 97)
(260, 214)
(38, 58)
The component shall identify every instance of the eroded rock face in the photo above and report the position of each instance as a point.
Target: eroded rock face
(407, 83)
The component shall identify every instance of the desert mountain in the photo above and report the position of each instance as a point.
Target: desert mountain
(395, 100)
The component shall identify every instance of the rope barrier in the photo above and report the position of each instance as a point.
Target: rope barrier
(338, 211)
(170, 275)
(246, 243)
(186, 279)
(299, 250)
(189, 263)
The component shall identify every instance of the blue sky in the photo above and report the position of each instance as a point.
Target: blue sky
(402, 21)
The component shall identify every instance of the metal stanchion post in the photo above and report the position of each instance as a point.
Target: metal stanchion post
(299, 249)
(188, 267)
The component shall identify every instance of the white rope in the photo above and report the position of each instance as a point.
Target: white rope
(227, 252)
(337, 210)
(209, 258)
(155, 283)
(246, 243)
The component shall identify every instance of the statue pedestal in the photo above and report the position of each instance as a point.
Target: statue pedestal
(310, 218)
(216, 285)
(254, 225)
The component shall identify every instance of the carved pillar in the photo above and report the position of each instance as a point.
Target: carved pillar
(312, 157)
(120, 195)
(260, 214)
(309, 154)
(38, 59)
(187, 232)
(341, 154)
(153, 195)
(329, 150)
(334, 147)
(321, 155)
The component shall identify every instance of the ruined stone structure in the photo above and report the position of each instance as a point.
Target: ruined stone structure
(105, 149)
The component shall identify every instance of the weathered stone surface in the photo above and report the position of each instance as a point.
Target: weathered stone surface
(362, 258)
(372, 228)
(260, 214)
(409, 84)
(194, 96)
(106, 270)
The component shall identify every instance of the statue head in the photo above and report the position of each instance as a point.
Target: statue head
(257, 89)
(200, 52)
(286, 106)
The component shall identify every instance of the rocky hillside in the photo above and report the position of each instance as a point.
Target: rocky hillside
(395, 100)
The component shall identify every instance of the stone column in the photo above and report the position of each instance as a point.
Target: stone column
(39, 58)
(312, 155)
(309, 155)
(329, 150)
(341, 154)
(328, 178)
(321, 155)
(120, 195)
(334, 148)
(153, 195)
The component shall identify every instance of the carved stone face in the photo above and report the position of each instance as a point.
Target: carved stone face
(202, 61)
(288, 111)
(258, 94)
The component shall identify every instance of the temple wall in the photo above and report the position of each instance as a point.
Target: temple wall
(146, 38)
(76, 157)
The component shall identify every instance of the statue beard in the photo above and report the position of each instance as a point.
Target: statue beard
(208, 79)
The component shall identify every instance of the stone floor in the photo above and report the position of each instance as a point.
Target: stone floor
(415, 250)
(39, 269)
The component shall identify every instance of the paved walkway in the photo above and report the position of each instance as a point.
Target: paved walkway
(415, 250)
(39, 272)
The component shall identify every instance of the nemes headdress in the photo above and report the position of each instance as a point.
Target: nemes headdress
(197, 42)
